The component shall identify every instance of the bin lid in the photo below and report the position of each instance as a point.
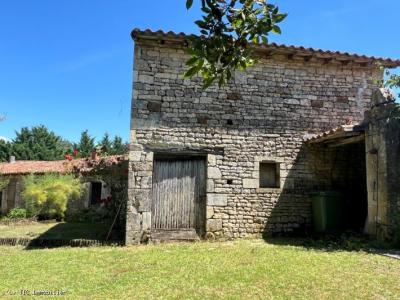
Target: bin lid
(326, 194)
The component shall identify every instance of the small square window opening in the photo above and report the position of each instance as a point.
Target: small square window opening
(269, 175)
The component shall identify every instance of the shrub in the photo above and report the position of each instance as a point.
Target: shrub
(17, 213)
(47, 196)
(91, 215)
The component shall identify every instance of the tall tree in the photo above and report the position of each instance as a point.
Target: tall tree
(86, 144)
(118, 147)
(105, 144)
(228, 27)
(37, 143)
(5, 150)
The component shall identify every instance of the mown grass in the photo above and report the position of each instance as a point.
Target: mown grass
(54, 230)
(231, 270)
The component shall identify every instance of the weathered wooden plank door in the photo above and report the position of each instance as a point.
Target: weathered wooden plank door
(178, 196)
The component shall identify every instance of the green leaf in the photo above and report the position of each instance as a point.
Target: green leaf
(193, 60)
(201, 24)
(221, 81)
(207, 82)
(228, 74)
(189, 4)
(280, 17)
(191, 72)
(237, 23)
(192, 51)
(264, 39)
(200, 64)
(243, 65)
(276, 29)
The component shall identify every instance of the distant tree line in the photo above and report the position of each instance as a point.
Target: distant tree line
(39, 143)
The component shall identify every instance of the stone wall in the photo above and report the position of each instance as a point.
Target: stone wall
(383, 167)
(261, 115)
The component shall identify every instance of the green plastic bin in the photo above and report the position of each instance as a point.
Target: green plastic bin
(328, 212)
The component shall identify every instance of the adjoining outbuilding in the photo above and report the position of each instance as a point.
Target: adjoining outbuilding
(98, 175)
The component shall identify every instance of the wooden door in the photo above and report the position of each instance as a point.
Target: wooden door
(179, 192)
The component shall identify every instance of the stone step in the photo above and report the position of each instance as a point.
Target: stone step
(174, 235)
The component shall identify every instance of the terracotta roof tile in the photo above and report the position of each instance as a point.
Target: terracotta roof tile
(334, 132)
(58, 166)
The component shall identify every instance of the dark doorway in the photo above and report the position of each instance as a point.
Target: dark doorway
(95, 193)
(179, 196)
(350, 178)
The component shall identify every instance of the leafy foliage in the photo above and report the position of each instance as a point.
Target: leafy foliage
(105, 143)
(107, 146)
(48, 195)
(98, 214)
(114, 147)
(118, 147)
(5, 150)
(113, 172)
(17, 213)
(37, 143)
(86, 144)
(227, 28)
(393, 80)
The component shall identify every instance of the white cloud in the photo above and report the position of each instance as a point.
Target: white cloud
(4, 138)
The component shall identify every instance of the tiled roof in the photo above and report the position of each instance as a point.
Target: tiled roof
(58, 166)
(27, 167)
(337, 132)
(292, 50)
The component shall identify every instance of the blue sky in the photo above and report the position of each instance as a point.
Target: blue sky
(68, 64)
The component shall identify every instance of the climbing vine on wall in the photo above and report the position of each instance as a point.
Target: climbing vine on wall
(113, 171)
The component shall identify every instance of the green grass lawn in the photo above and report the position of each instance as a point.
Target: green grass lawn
(231, 270)
(61, 230)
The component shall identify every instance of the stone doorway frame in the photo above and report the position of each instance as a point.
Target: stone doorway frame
(138, 212)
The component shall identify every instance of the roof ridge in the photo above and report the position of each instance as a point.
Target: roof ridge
(386, 61)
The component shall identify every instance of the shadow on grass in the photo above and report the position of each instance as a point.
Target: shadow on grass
(348, 241)
(75, 235)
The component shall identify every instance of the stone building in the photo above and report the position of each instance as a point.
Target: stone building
(242, 160)
(96, 187)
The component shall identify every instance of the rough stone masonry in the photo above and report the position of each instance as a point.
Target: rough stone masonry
(262, 115)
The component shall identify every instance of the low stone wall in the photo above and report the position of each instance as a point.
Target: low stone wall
(47, 243)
